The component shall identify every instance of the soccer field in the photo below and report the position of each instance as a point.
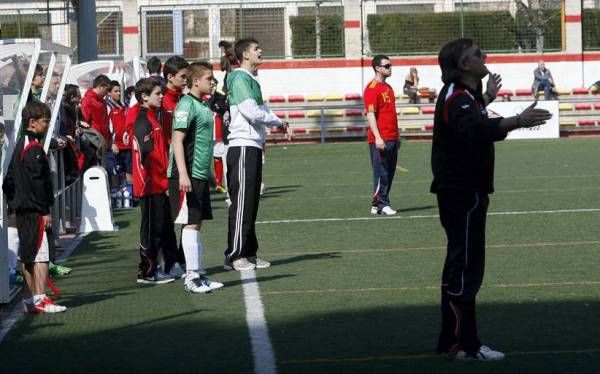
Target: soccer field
(349, 292)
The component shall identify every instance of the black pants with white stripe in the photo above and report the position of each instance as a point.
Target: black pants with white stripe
(244, 176)
(463, 216)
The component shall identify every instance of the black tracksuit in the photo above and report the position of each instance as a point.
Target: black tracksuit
(462, 160)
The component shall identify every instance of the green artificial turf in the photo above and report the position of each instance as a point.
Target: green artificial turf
(349, 292)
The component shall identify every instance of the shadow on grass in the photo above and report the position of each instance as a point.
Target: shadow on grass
(417, 208)
(538, 337)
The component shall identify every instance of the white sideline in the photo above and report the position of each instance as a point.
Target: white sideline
(262, 350)
(309, 220)
(17, 310)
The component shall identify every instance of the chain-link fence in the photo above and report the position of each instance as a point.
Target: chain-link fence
(109, 25)
(305, 29)
(403, 27)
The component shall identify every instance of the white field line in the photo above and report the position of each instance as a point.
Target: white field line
(262, 350)
(16, 311)
(516, 213)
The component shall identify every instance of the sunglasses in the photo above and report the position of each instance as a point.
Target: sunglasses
(387, 66)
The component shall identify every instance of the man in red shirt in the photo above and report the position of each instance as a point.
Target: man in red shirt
(380, 104)
(121, 147)
(93, 108)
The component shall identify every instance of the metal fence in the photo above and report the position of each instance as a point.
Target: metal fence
(301, 29)
(408, 27)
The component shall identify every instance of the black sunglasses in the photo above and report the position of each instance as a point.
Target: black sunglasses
(387, 66)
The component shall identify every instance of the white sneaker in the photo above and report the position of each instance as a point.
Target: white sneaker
(176, 271)
(485, 353)
(388, 211)
(240, 264)
(374, 210)
(195, 284)
(228, 201)
(262, 188)
(213, 285)
(259, 262)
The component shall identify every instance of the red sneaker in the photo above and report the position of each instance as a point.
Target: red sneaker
(46, 305)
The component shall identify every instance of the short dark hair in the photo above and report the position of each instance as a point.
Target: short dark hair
(128, 91)
(35, 109)
(449, 58)
(197, 70)
(114, 84)
(145, 86)
(376, 61)
(71, 90)
(225, 44)
(38, 70)
(173, 65)
(101, 80)
(242, 46)
(153, 65)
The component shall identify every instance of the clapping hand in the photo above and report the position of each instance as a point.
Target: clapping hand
(494, 84)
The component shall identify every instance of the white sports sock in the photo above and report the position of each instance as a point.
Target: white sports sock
(190, 243)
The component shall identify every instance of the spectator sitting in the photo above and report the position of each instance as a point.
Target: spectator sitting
(411, 83)
(542, 80)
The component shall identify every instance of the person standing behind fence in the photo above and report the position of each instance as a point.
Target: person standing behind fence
(150, 184)
(382, 134)
(462, 162)
(93, 110)
(154, 69)
(247, 131)
(121, 147)
(28, 187)
(189, 172)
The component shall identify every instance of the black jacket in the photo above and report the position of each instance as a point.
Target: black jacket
(462, 154)
(27, 184)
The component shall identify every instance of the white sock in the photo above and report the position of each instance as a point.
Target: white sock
(190, 244)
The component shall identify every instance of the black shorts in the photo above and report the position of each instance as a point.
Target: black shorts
(193, 207)
(122, 162)
(35, 243)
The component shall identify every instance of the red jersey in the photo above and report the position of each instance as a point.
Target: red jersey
(218, 128)
(117, 115)
(170, 100)
(379, 98)
(93, 111)
(149, 156)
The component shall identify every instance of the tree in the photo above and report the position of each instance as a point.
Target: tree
(531, 22)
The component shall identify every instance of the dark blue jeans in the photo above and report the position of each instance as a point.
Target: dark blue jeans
(383, 163)
(547, 88)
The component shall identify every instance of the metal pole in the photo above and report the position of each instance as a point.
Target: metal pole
(462, 20)
(87, 43)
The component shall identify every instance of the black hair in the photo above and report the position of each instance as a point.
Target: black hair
(242, 46)
(153, 65)
(173, 65)
(101, 80)
(197, 70)
(449, 58)
(71, 91)
(376, 61)
(145, 86)
(225, 44)
(35, 109)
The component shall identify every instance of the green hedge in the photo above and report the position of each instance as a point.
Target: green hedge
(425, 33)
(28, 30)
(304, 39)
(591, 29)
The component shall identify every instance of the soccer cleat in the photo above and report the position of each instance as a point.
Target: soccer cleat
(388, 211)
(228, 201)
(46, 305)
(195, 284)
(176, 271)
(259, 262)
(485, 353)
(374, 210)
(220, 189)
(159, 277)
(240, 264)
(58, 270)
(213, 285)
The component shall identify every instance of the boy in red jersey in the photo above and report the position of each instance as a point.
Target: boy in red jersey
(93, 109)
(150, 184)
(380, 104)
(28, 188)
(121, 147)
(175, 72)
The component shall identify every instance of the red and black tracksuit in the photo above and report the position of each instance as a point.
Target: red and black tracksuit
(28, 188)
(93, 111)
(462, 161)
(150, 183)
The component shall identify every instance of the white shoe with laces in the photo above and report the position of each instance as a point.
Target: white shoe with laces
(195, 284)
(374, 210)
(485, 353)
(388, 211)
